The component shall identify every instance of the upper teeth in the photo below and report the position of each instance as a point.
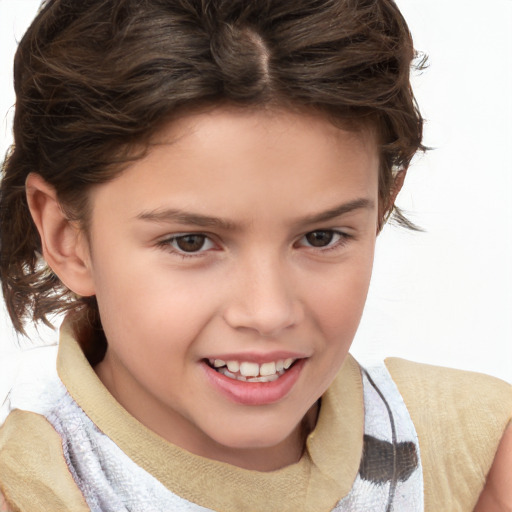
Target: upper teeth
(249, 369)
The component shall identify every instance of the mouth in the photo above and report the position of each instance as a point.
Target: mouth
(251, 382)
(248, 371)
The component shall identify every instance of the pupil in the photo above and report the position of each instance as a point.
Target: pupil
(319, 238)
(190, 243)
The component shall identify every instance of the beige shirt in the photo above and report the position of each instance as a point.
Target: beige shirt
(459, 417)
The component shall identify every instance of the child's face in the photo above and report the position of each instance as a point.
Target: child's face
(245, 237)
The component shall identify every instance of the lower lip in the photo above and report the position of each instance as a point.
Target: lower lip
(255, 393)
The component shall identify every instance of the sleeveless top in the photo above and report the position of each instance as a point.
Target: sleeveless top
(389, 476)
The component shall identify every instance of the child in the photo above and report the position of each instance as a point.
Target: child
(205, 182)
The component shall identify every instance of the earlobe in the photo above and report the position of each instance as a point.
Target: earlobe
(64, 247)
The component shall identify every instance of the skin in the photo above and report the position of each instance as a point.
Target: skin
(256, 286)
(4, 506)
(497, 493)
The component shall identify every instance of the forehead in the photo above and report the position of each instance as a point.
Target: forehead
(262, 125)
(229, 158)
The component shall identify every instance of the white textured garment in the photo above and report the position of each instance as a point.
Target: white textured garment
(389, 479)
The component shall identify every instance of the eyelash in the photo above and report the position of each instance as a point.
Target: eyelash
(343, 239)
(167, 243)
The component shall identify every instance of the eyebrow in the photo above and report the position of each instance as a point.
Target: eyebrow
(338, 211)
(207, 221)
(184, 217)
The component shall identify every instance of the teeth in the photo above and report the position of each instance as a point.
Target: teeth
(267, 369)
(234, 366)
(269, 378)
(249, 369)
(225, 372)
(252, 372)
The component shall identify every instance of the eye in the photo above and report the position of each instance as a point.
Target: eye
(319, 238)
(324, 238)
(188, 243)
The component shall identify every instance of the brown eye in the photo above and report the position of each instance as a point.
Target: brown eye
(319, 238)
(190, 243)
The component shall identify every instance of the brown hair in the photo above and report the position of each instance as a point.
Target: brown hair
(95, 77)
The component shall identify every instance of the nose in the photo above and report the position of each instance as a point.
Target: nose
(263, 299)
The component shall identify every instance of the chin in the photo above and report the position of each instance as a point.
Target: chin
(256, 436)
(258, 442)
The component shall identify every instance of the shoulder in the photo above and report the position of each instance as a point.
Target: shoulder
(450, 391)
(34, 474)
(33, 468)
(460, 418)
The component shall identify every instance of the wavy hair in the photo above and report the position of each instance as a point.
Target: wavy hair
(96, 78)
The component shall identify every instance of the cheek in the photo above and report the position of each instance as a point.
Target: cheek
(150, 306)
(339, 302)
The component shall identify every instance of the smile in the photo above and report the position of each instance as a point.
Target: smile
(253, 383)
(246, 371)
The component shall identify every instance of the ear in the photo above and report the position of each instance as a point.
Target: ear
(65, 248)
(387, 206)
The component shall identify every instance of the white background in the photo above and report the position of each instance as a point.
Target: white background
(443, 296)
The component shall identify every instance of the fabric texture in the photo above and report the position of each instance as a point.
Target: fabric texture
(390, 474)
(460, 417)
(66, 444)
